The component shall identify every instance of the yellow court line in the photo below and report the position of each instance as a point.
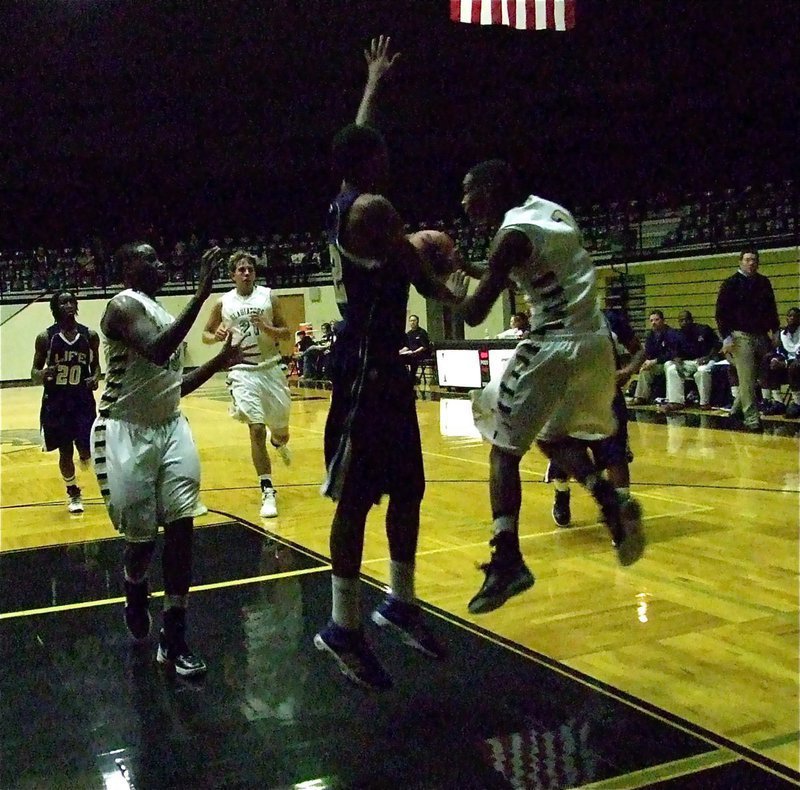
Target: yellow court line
(665, 771)
(68, 607)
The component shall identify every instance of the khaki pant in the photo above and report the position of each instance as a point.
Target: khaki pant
(746, 356)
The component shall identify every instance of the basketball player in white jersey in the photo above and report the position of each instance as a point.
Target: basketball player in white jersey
(558, 386)
(259, 392)
(144, 455)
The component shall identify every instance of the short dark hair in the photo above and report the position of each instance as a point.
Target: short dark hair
(129, 252)
(413, 316)
(351, 147)
(497, 176)
(54, 299)
(659, 313)
(749, 251)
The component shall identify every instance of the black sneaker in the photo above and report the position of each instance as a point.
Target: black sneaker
(405, 619)
(356, 660)
(172, 647)
(561, 512)
(630, 540)
(506, 575)
(137, 613)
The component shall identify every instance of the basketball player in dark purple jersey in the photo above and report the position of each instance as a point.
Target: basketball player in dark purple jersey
(66, 361)
(372, 441)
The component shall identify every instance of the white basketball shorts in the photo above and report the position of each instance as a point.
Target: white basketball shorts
(260, 396)
(552, 388)
(148, 475)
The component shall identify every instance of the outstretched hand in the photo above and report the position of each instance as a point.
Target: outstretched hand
(209, 263)
(378, 59)
(231, 352)
(457, 285)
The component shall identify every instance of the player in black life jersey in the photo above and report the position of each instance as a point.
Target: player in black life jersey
(66, 361)
(372, 442)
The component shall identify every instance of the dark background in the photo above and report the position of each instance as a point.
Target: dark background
(217, 116)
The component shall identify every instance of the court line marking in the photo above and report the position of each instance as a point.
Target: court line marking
(665, 771)
(641, 705)
(536, 535)
(68, 607)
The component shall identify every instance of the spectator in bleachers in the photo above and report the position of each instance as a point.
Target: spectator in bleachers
(661, 346)
(697, 349)
(782, 366)
(747, 318)
(417, 347)
(519, 326)
(315, 358)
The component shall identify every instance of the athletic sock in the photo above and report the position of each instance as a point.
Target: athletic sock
(346, 596)
(401, 579)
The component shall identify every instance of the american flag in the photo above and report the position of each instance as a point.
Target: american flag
(520, 14)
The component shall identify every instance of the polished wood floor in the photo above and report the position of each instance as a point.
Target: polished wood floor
(705, 626)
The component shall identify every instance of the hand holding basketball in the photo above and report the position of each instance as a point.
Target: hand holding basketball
(437, 249)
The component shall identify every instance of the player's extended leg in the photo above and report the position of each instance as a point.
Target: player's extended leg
(136, 561)
(399, 612)
(263, 467)
(343, 638)
(623, 518)
(177, 569)
(66, 465)
(506, 573)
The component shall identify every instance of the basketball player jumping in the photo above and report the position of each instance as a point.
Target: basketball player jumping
(372, 441)
(259, 391)
(558, 386)
(66, 361)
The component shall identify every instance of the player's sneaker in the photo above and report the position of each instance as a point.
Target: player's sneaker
(199, 510)
(172, 647)
(284, 452)
(137, 613)
(561, 511)
(269, 505)
(405, 620)
(506, 575)
(629, 540)
(74, 501)
(356, 660)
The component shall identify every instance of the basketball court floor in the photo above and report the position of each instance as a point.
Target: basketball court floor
(681, 671)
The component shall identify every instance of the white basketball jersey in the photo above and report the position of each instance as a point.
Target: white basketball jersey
(559, 280)
(136, 389)
(257, 348)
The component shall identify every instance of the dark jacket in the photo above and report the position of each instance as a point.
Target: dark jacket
(698, 340)
(747, 304)
(662, 346)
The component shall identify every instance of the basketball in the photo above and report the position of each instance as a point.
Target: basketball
(438, 249)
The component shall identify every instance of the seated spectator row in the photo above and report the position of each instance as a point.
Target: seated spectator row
(630, 230)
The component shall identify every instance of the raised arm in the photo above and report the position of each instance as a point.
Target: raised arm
(378, 63)
(509, 248)
(125, 318)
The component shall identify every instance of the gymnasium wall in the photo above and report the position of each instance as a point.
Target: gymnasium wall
(18, 335)
(692, 284)
(670, 285)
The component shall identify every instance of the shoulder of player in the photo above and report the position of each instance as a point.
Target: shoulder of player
(369, 208)
(120, 307)
(509, 246)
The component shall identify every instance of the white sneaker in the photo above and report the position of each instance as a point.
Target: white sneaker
(75, 504)
(199, 510)
(269, 507)
(284, 452)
